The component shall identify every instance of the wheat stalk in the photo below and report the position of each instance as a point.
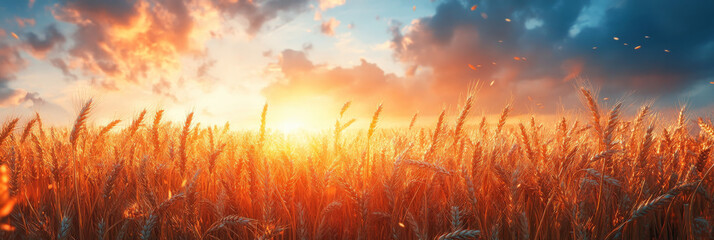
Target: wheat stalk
(557, 180)
(462, 118)
(263, 115)
(502, 119)
(7, 130)
(373, 124)
(460, 235)
(231, 221)
(707, 128)
(183, 144)
(28, 128)
(591, 103)
(79, 123)
(413, 121)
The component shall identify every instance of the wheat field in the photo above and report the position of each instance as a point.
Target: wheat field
(610, 177)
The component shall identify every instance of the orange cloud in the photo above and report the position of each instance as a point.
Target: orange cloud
(22, 22)
(318, 16)
(119, 42)
(10, 63)
(127, 41)
(11, 97)
(328, 27)
(163, 87)
(301, 82)
(573, 67)
(326, 4)
(448, 57)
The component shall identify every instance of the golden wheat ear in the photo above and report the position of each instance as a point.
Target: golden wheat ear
(7, 130)
(79, 123)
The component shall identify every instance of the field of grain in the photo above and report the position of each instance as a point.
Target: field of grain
(611, 177)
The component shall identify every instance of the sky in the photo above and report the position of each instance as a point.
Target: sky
(224, 59)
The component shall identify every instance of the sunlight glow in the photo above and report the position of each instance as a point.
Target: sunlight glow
(290, 126)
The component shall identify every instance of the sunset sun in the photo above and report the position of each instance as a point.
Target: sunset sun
(347, 119)
(289, 126)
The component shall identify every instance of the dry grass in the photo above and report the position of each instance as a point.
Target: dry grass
(611, 177)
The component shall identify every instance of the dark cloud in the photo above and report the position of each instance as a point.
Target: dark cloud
(39, 47)
(35, 98)
(685, 28)
(101, 12)
(62, 65)
(257, 12)
(556, 46)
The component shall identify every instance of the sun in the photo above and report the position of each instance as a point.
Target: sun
(290, 126)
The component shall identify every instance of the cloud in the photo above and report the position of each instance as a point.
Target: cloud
(120, 42)
(62, 65)
(411, 71)
(326, 4)
(328, 27)
(302, 82)
(11, 97)
(257, 13)
(540, 35)
(163, 87)
(204, 68)
(129, 41)
(19, 102)
(39, 47)
(307, 47)
(22, 22)
(10, 63)
(102, 12)
(317, 16)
